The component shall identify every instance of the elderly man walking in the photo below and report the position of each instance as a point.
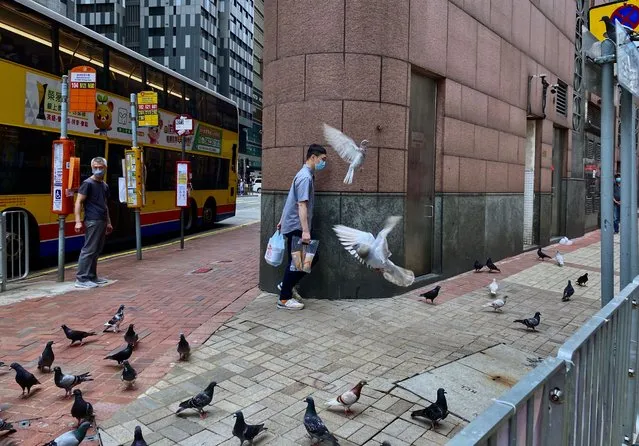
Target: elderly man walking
(94, 196)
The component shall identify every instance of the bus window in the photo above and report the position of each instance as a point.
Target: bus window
(191, 101)
(168, 175)
(76, 50)
(174, 96)
(155, 82)
(114, 168)
(126, 74)
(25, 40)
(153, 159)
(87, 149)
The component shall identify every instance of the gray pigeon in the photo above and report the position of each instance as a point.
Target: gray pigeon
(131, 337)
(121, 355)
(373, 251)
(128, 373)
(246, 432)
(436, 411)
(68, 382)
(138, 439)
(183, 348)
(346, 148)
(76, 335)
(114, 323)
(81, 409)
(497, 304)
(71, 438)
(199, 401)
(24, 378)
(47, 357)
(531, 322)
(6, 426)
(315, 426)
(568, 292)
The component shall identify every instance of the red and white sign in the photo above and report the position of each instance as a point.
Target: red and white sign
(183, 125)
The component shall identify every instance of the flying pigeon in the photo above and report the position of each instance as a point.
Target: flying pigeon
(348, 398)
(478, 266)
(128, 373)
(113, 324)
(436, 411)
(71, 438)
(199, 401)
(432, 294)
(559, 258)
(76, 335)
(497, 303)
(315, 426)
(183, 348)
(581, 280)
(47, 357)
(6, 426)
(491, 266)
(568, 292)
(138, 439)
(81, 410)
(246, 432)
(542, 255)
(131, 337)
(531, 322)
(121, 355)
(373, 252)
(493, 287)
(347, 150)
(25, 379)
(68, 382)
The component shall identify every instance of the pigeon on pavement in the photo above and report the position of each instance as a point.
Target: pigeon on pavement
(183, 348)
(582, 280)
(138, 439)
(24, 378)
(113, 324)
(373, 251)
(47, 357)
(531, 322)
(436, 411)
(491, 266)
(542, 255)
(493, 287)
(246, 432)
(347, 150)
(71, 438)
(131, 337)
(568, 292)
(76, 335)
(68, 382)
(81, 410)
(497, 303)
(478, 266)
(315, 426)
(121, 355)
(432, 294)
(348, 398)
(199, 401)
(6, 426)
(559, 258)
(128, 373)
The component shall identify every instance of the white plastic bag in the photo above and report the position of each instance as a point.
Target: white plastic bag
(275, 249)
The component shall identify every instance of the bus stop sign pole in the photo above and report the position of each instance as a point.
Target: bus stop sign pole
(64, 112)
(134, 143)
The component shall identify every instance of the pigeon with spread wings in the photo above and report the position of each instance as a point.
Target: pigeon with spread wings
(347, 150)
(373, 251)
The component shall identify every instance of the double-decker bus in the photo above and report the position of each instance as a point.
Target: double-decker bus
(38, 46)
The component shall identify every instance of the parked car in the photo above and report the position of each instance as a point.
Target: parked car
(257, 186)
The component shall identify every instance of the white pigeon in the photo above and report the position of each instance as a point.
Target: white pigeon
(348, 398)
(559, 258)
(497, 303)
(493, 287)
(565, 241)
(373, 251)
(347, 150)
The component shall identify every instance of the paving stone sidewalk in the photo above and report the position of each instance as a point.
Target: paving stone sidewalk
(267, 361)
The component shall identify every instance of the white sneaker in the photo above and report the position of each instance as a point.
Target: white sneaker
(87, 284)
(101, 281)
(296, 294)
(291, 304)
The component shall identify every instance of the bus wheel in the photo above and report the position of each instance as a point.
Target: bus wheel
(190, 218)
(209, 213)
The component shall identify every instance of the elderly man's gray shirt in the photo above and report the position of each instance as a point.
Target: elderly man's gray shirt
(302, 189)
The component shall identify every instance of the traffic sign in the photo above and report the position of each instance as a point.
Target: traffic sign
(183, 125)
(148, 109)
(82, 89)
(626, 12)
(627, 61)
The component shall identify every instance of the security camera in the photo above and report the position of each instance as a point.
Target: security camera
(553, 88)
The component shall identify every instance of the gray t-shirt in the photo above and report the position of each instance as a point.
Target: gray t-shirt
(301, 190)
(95, 205)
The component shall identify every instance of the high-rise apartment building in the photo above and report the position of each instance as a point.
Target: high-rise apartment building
(105, 17)
(254, 135)
(62, 7)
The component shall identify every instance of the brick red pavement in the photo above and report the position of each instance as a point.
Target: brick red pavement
(162, 297)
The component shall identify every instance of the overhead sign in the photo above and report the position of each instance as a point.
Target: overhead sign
(627, 61)
(148, 109)
(626, 12)
(183, 125)
(82, 88)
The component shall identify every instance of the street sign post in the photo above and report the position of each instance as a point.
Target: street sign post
(627, 60)
(183, 126)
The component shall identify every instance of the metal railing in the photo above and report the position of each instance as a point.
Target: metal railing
(586, 395)
(14, 247)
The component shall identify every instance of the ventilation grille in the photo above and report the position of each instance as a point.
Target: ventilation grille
(561, 102)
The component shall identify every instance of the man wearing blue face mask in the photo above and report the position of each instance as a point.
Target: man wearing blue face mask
(94, 195)
(296, 221)
(616, 198)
